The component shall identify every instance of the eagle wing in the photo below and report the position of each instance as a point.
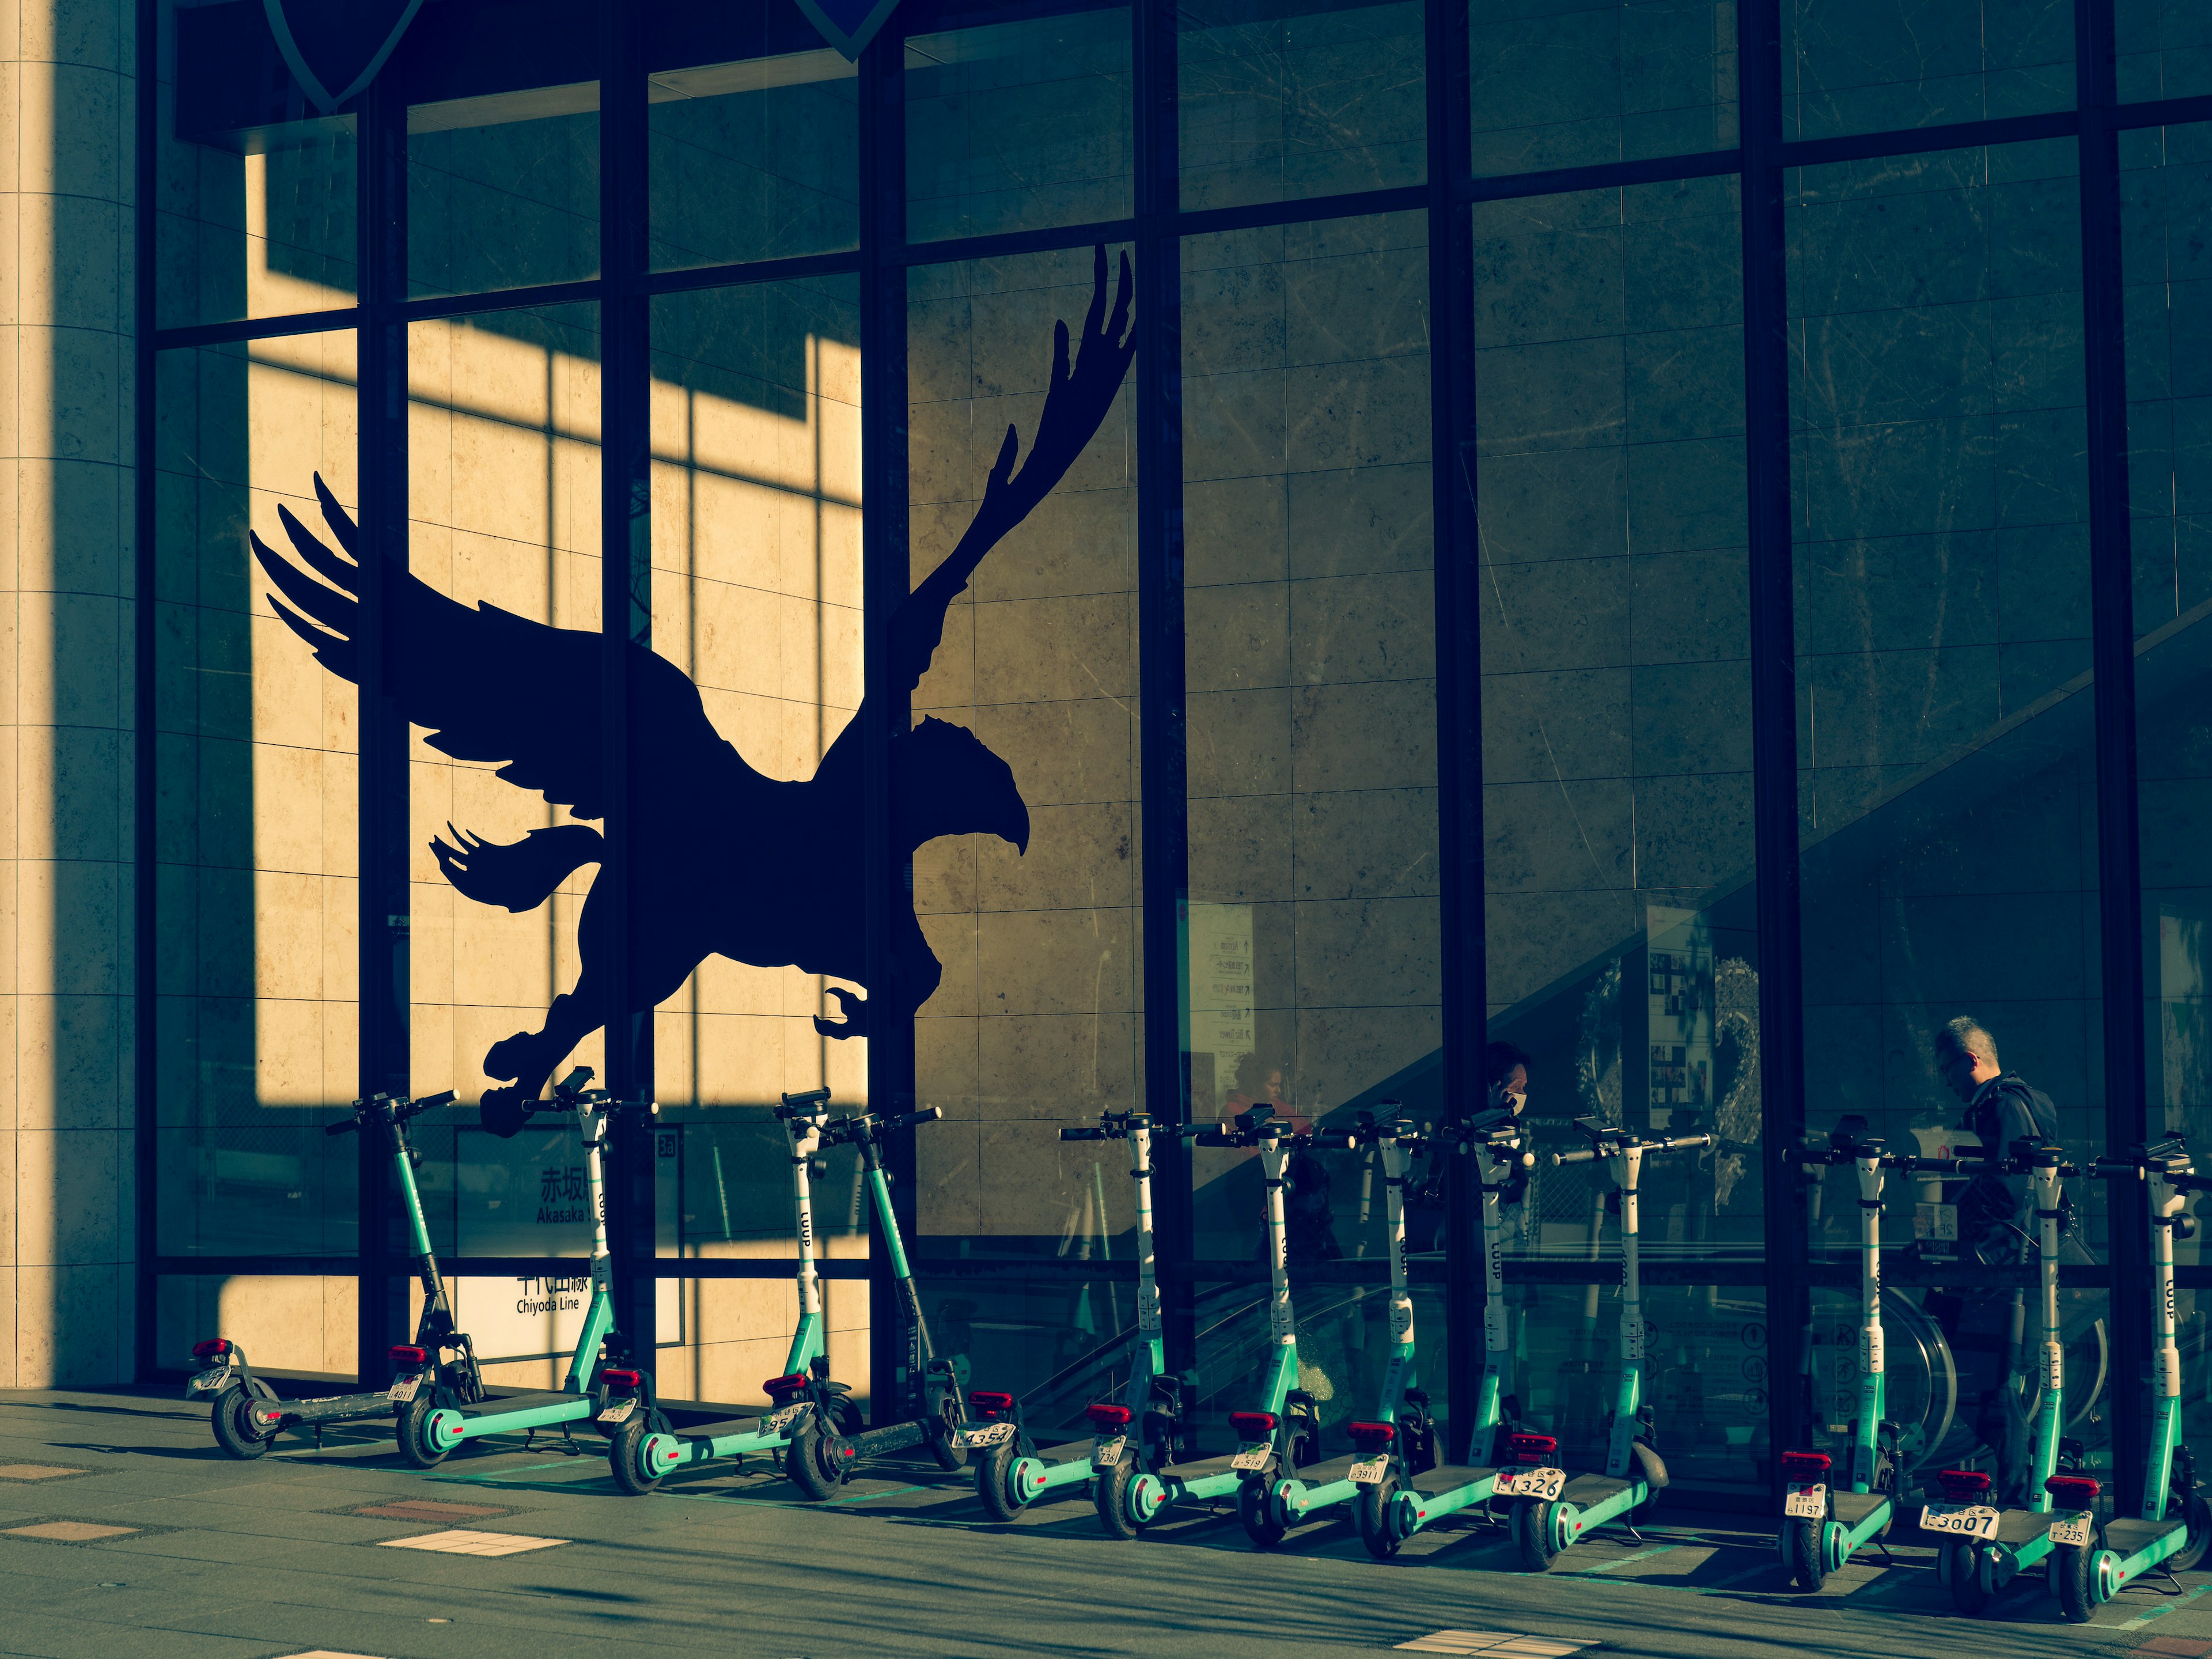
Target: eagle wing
(490, 685)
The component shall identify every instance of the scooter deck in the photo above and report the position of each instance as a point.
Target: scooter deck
(1448, 1477)
(1587, 1490)
(1852, 1508)
(536, 1400)
(2128, 1537)
(1198, 1469)
(2018, 1527)
(1326, 1473)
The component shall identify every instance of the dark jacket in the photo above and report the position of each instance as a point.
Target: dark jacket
(2006, 1109)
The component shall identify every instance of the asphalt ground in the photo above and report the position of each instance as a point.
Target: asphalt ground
(252, 1560)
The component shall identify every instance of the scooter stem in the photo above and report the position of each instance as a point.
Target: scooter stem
(805, 1136)
(1627, 1170)
(2044, 1183)
(2166, 1202)
(1872, 1380)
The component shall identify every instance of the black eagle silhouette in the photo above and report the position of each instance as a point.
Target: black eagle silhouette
(725, 861)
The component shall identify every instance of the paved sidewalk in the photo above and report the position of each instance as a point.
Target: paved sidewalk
(145, 1539)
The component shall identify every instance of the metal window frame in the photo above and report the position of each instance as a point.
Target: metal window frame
(1155, 229)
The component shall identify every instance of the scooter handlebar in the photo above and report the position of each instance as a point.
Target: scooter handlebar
(908, 1119)
(803, 1105)
(1584, 1157)
(1083, 1134)
(344, 1125)
(427, 1103)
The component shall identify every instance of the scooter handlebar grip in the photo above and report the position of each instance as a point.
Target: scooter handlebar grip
(343, 1127)
(1083, 1134)
(1332, 1138)
(1684, 1143)
(1216, 1138)
(811, 1097)
(427, 1103)
(1187, 1131)
(908, 1119)
(1585, 1156)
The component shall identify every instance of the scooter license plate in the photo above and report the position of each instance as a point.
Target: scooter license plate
(776, 1421)
(207, 1382)
(619, 1411)
(1253, 1457)
(403, 1388)
(1960, 1521)
(1370, 1472)
(1107, 1451)
(1806, 1502)
(989, 1434)
(1543, 1485)
(2073, 1529)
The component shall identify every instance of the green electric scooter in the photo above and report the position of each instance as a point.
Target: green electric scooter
(436, 1421)
(645, 1450)
(1552, 1513)
(1396, 1497)
(1403, 1433)
(2087, 1569)
(1284, 1433)
(1987, 1545)
(1011, 1472)
(248, 1414)
(823, 1454)
(1823, 1523)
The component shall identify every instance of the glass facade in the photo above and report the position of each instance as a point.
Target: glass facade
(1569, 447)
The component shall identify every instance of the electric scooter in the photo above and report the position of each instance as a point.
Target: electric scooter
(823, 1456)
(1398, 1497)
(1988, 1545)
(1285, 1433)
(435, 1421)
(1552, 1513)
(2090, 1565)
(1011, 1473)
(645, 1450)
(1402, 1413)
(248, 1414)
(1822, 1523)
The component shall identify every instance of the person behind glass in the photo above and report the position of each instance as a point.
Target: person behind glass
(2001, 1107)
(1505, 1071)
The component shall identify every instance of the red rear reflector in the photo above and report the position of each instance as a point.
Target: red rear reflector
(1252, 1425)
(2076, 1490)
(1372, 1434)
(1530, 1448)
(1963, 1485)
(791, 1384)
(988, 1401)
(406, 1355)
(615, 1379)
(1109, 1417)
(215, 1348)
(1805, 1466)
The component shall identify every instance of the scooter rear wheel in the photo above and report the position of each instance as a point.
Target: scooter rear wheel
(413, 1432)
(2070, 1572)
(1110, 1491)
(948, 1452)
(1258, 1515)
(994, 1480)
(1371, 1509)
(234, 1428)
(1532, 1524)
(1806, 1570)
(806, 1463)
(2200, 1535)
(626, 1458)
(1966, 1592)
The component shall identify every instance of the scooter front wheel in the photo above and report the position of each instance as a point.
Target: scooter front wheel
(994, 1479)
(950, 1454)
(1261, 1524)
(1373, 1511)
(231, 1418)
(2200, 1535)
(1533, 1522)
(413, 1432)
(1801, 1545)
(1966, 1592)
(1110, 1490)
(626, 1457)
(2071, 1569)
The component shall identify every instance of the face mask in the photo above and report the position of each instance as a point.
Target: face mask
(1516, 1102)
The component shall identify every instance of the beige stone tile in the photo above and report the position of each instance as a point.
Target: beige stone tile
(740, 1059)
(1236, 530)
(81, 634)
(952, 940)
(66, 1185)
(74, 522)
(1240, 848)
(1055, 962)
(288, 917)
(1064, 753)
(289, 1069)
(1375, 736)
(1377, 627)
(66, 1324)
(1079, 857)
(1237, 637)
(1038, 650)
(1344, 1052)
(1241, 743)
(69, 917)
(70, 1062)
(1055, 1068)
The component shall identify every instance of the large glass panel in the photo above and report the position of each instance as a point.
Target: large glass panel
(503, 192)
(254, 223)
(1019, 124)
(757, 598)
(757, 159)
(255, 962)
(1280, 101)
(2166, 187)
(2164, 48)
(1309, 659)
(1027, 906)
(302, 1328)
(1872, 65)
(1947, 809)
(1562, 83)
(1617, 696)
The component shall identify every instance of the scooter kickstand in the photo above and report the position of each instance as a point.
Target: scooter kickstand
(569, 1443)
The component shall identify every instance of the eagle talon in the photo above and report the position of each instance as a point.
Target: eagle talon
(854, 1008)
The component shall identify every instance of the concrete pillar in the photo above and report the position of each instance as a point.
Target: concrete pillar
(66, 1014)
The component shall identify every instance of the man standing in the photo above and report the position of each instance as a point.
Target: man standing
(2002, 1106)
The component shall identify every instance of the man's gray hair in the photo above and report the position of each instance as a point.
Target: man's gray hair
(1965, 1036)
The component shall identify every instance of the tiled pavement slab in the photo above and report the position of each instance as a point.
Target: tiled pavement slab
(259, 1559)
